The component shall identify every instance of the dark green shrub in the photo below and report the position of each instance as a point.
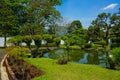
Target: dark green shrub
(102, 42)
(116, 55)
(37, 40)
(16, 40)
(57, 41)
(115, 40)
(27, 40)
(87, 45)
(16, 52)
(62, 60)
(114, 45)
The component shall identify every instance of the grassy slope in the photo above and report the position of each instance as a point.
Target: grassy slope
(72, 71)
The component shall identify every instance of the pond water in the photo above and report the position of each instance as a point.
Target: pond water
(78, 56)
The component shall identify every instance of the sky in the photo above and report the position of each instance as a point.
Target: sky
(86, 10)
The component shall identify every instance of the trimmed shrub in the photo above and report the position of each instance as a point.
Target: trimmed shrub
(37, 39)
(114, 45)
(57, 41)
(116, 40)
(27, 40)
(16, 40)
(102, 42)
(116, 55)
(16, 52)
(87, 45)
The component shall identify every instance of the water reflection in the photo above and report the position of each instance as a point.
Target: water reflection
(78, 56)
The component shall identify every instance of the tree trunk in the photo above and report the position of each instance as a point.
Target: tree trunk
(107, 36)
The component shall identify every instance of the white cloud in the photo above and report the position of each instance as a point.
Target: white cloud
(111, 6)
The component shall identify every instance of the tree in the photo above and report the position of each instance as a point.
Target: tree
(94, 34)
(116, 56)
(9, 20)
(41, 14)
(32, 29)
(48, 38)
(57, 41)
(74, 26)
(104, 22)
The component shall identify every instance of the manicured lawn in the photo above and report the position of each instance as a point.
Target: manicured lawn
(72, 71)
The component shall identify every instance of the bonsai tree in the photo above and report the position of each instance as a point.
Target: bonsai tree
(28, 41)
(15, 41)
(48, 38)
(57, 41)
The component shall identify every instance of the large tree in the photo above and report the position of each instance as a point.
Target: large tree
(14, 13)
(104, 22)
(42, 13)
(76, 24)
(10, 11)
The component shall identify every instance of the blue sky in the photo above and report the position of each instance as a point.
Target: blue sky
(86, 10)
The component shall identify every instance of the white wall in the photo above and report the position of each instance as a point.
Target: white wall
(2, 41)
(43, 42)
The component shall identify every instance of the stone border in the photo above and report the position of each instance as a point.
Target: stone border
(9, 71)
(4, 75)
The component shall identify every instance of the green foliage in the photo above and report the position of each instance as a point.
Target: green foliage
(114, 45)
(87, 45)
(116, 40)
(32, 29)
(37, 39)
(74, 26)
(107, 48)
(16, 40)
(101, 42)
(75, 40)
(64, 37)
(16, 52)
(116, 55)
(57, 40)
(94, 46)
(27, 40)
(48, 37)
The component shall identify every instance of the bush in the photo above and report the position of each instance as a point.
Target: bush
(27, 40)
(116, 40)
(16, 52)
(102, 42)
(94, 46)
(116, 55)
(62, 60)
(57, 41)
(37, 39)
(114, 45)
(87, 45)
(16, 40)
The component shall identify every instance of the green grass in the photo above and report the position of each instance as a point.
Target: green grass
(72, 71)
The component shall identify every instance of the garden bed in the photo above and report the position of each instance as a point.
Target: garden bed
(23, 70)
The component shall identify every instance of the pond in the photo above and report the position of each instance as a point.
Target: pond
(78, 56)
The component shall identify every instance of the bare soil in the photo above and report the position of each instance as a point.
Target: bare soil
(23, 70)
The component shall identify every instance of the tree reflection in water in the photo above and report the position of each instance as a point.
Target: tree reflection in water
(78, 56)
